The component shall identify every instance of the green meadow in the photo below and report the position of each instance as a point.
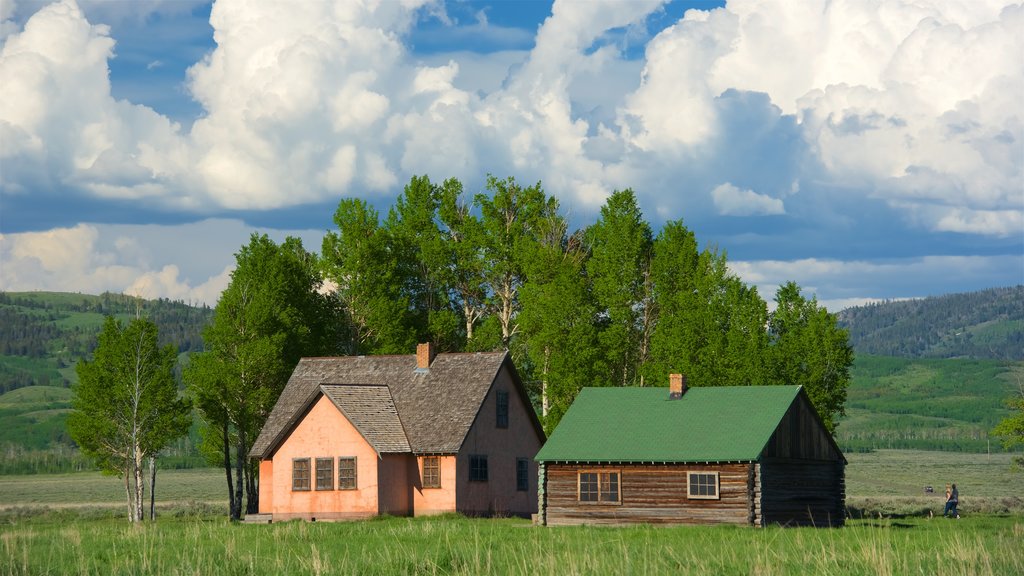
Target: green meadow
(73, 524)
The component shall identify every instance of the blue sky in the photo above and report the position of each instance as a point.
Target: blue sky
(866, 150)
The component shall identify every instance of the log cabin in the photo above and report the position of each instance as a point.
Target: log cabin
(747, 455)
(358, 436)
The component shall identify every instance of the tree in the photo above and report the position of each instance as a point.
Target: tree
(271, 314)
(465, 255)
(709, 324)
(359, 259)
(424, 262)
(557, 317)
(1011, 428)
(507, 222)
(125, 407)
(807, 347)
(619, 267)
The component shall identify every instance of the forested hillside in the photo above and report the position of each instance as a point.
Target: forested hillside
(42, 334)
(982, 325)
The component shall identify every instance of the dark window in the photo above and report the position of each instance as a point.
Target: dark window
(599, 487)
(325, 473)
(477, 468)
(588, 487)
(300, 474)
(347, 473)
(431, 472)
(522, 474)
(502, 409)
(703, 485)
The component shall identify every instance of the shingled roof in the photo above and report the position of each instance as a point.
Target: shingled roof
(434, 407)
(371, 409)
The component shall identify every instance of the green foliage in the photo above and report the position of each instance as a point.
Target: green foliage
(42, 334)
(985, 324)
(710, 326)
(271, 314)
(1011, 428)
(809, 349)
(125, 407)
(619, 270)
(558, 318)
(928, 403)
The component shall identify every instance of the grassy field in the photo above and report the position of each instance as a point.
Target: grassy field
(929, 404)
(455, 545)
(72, 523)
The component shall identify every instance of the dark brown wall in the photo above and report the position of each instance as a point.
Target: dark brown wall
(801, 493)
(801, 435)
(651, 494)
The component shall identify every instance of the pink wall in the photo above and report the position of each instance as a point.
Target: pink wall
(324, 432)
(266, 486)
(428, 501)
(502, 446)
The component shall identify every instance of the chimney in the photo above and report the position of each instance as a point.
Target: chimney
(424, 355)
(676, 386)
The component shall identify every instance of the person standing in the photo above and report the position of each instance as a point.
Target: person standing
(952, 500)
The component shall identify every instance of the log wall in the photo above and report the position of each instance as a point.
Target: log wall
(655, 494)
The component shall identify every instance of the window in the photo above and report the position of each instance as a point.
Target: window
(431, 472)
(347, 473)
(502, 409)
(702, 485)
(599, 487)
(522, 474)
(325, 473)
(477, 468)
(300, 474)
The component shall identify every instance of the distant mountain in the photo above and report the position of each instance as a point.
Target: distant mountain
(43, 334)
(982, 325)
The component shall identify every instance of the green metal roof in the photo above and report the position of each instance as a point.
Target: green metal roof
(711, 424)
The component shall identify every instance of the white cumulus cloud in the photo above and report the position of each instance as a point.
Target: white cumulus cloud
(731, 201)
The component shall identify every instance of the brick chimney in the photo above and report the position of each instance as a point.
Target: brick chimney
(425, 355)
(676, 386)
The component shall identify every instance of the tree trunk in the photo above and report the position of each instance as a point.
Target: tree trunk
(544, 384)
(139, 487)
(152, 488)
(128, 492)
(252, 488)
(227, 469)
(236, 501)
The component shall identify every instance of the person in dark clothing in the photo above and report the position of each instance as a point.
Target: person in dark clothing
(952, 500)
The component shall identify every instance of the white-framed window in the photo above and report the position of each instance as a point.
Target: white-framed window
(702, 485)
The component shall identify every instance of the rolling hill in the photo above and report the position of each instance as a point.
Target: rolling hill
(929, 374)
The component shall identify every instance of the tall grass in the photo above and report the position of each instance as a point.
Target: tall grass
(455, 545)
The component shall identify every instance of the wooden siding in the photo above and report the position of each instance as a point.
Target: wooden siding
(653, 494)
(801, 435)
(800, 492)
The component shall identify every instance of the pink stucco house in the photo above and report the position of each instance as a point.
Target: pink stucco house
(358, 436)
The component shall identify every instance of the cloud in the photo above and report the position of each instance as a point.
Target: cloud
(915, 104)
(731, 201)
(840, 284)
(865, 128)
(140, 260)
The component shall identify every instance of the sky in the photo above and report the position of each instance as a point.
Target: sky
(867, 150)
